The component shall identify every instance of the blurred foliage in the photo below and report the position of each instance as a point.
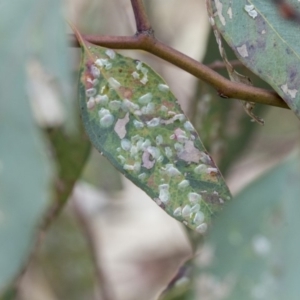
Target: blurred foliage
(9, 294)
(255, 243)
(25, 175)
(70, 152)
(102, 174)
(65, 260)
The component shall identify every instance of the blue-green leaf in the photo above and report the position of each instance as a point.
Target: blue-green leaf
(264, 41)
(132, 117)
(255, 242)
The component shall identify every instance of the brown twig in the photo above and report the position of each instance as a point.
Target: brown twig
(225, 87)
(141, 19)
(218, 64)
(145, 40)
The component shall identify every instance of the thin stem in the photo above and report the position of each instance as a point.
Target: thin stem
(225, 87)
(218, 64)
(141, 19)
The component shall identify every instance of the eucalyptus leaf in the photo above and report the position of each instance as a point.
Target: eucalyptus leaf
(264, 41)
(254, 244)
(224, 127)
(25, 172)
(132, 117)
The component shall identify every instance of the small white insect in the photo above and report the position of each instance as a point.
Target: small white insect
(115, 84)
(90, 92)
(178, 147)
(188, 126)
(137, 124)
(145, 99)
(101, 99)
(194, 197)
(91, 103)
(102, 112)
(163, 88)
(100, 62)
(180, 117)
(205, 158)
(212, 170)
(95, 71)
(164, 192)
(183, 184)
(155, 153)
(159, 140)
(134, 151)
(195, 208)
(186, 211)
(137, 166)
(135, 75)
(153, 123)
(108, 66)
(110, 53)
(125, 144)
(142, 176)
(144, 70)
(115, 105)
(163, 108)
(172, 171)
(201, 228)
(251, 11)
(122, 159)
(199, 217)
(200, 169)
(149, 109)
(139, 65)
(177, 212)
(168, 152)
(107, 120)
(144, 80)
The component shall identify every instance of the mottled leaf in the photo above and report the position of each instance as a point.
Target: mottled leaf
(132, 117)
(254, 245)
(264, 42)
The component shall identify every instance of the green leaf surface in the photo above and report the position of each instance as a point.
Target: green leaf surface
(264, 41)
(132, 117)
(255, 241)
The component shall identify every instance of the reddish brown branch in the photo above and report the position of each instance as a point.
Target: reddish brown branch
(224, 86)
(141, 19)
(218, 64)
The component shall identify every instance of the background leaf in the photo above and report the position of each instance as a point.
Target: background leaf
(224, 127)
(25, 176)
(255, 243)
(131, 116)
(70, 152)
(264, 42)
(48, 38)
